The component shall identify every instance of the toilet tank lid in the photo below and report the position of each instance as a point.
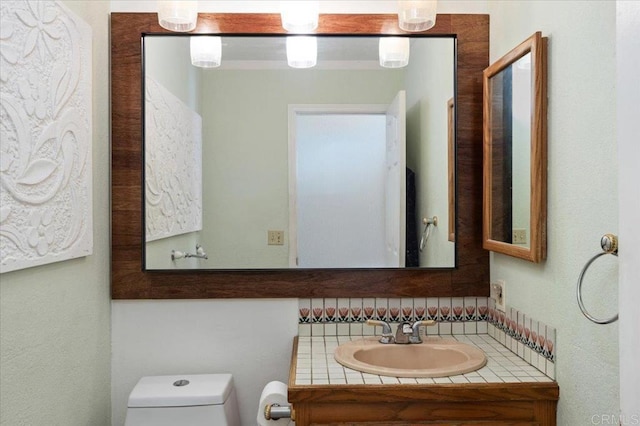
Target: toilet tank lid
(180, 391)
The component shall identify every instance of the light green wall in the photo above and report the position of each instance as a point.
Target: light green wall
(582, 196)
(521, 149)
(55, 319)
(429, 88)
(167, 60)
(245, 162)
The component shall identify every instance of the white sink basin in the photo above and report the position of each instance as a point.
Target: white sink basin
(435, 357)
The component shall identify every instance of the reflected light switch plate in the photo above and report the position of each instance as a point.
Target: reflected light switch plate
(275, 238)
(519, 236)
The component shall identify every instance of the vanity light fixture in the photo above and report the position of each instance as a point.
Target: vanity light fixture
(394, 52)
(206, 51)
(417, 15)
(179, 16)
(302, 51)
(299, 16)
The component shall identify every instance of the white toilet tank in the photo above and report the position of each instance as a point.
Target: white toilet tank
(187, 400)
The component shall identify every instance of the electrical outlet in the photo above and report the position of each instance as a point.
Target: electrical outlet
(275, 238)
(519, 236)
(497, 293)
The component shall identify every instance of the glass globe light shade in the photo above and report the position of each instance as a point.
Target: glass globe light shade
(299, 16)
(417, 15)
(394, 52)
(206, 51)
(180, 16)
(302, 51)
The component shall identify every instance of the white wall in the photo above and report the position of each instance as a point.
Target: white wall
(251, 339)
(628, 91)
(582, 196)
(326, 6)
(54, 319)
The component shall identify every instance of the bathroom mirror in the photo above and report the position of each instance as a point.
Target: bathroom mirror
(302, 152)
(515, 147)
(130, 280)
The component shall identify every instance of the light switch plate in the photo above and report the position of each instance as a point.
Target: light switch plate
(497, 293)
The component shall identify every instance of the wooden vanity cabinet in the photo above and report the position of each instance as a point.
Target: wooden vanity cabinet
(433, 404)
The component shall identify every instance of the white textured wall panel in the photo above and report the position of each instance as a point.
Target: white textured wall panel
(173, 164)
(45, 135)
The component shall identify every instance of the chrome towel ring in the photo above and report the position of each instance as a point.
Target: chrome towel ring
(427, 222)
(609, 244)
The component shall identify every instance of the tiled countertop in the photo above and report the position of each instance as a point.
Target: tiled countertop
(316, 365)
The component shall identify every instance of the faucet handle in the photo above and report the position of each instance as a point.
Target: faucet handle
(415, 337)
(387, 336)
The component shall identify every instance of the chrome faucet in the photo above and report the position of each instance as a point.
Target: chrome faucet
(406, 332)
(387, 336)
(415, 330)
(403, 332)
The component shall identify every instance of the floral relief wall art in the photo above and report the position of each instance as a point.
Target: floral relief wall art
(45, 135)
(173, 164)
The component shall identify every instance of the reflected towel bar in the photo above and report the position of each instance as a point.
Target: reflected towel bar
(199, 254)
(427, 222)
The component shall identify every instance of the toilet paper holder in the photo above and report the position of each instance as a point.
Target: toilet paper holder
(277, 411)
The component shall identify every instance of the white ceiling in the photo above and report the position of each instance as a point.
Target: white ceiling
(329, 48)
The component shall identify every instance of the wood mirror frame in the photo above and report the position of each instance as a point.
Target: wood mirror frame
(470, 277)
(536, 251)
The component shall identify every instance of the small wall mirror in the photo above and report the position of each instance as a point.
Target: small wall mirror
(515, 152)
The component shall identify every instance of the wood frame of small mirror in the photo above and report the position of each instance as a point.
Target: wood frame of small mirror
(470, 277)
(536, 250)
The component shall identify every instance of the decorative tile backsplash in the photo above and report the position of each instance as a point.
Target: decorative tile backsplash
(347, 316)
(355, 310)
(530, 339)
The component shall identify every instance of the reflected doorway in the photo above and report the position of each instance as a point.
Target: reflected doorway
(347, 178)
